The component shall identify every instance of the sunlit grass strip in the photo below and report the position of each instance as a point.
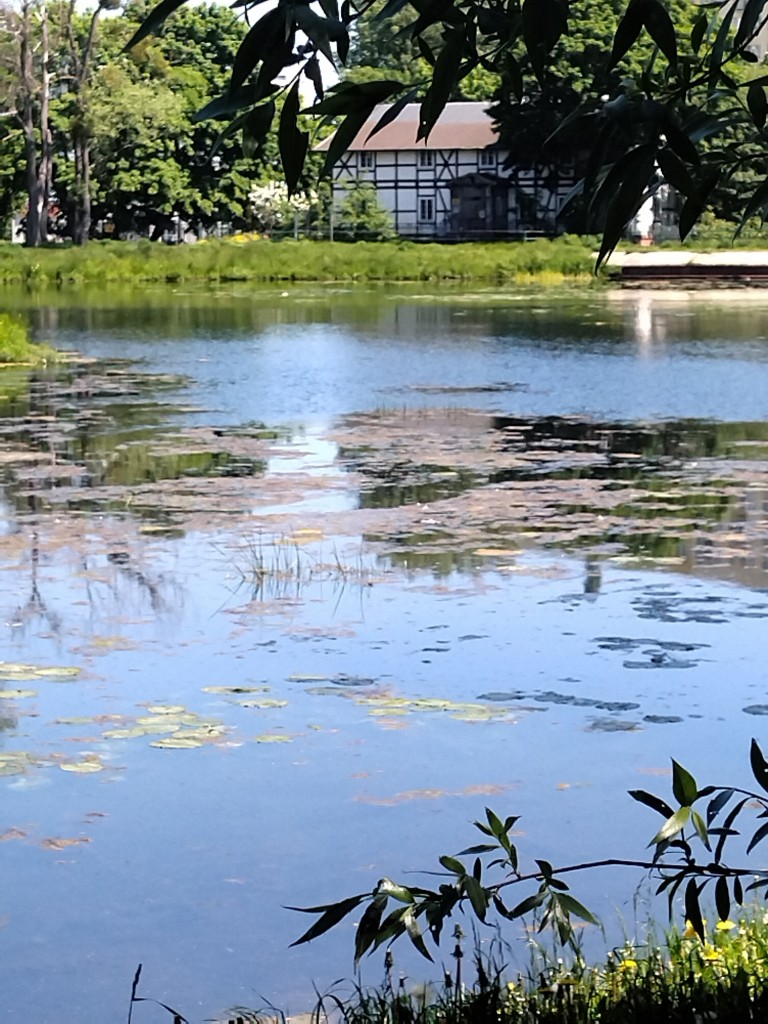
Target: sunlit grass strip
(550, 261)
(16, 349)
(682, 981)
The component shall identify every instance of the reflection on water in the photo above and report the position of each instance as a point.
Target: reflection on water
(353, 565)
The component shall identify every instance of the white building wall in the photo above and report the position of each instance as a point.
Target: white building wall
(414, 186)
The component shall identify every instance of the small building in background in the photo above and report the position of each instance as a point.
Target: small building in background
(458, 183)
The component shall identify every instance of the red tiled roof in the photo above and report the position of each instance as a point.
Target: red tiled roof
(460, 126)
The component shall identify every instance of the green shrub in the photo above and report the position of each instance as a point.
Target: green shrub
(15, 346)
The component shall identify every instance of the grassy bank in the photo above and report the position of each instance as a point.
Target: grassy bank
(682, 981)
(15, 347)
(546, 261)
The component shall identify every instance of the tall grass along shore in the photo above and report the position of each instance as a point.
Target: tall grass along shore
(541, 260)
(681, 980)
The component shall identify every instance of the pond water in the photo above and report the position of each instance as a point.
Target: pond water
(295, 583)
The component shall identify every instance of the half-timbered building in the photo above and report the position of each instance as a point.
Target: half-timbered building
(458, 183)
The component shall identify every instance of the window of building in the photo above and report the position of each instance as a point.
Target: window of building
(486, 158)
(426, 158)
(426, 209)
(367, 160)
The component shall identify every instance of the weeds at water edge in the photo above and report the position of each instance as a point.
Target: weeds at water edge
(679, 980)
(281, 565)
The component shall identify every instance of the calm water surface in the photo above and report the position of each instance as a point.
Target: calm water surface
(361, 718)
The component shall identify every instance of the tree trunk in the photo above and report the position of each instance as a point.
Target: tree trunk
(81, 143)
(34, 107)
(35, 199)
(45, 169)
(81, 224)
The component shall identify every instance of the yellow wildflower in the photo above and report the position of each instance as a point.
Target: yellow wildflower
(725, 926)
(628, 965)
(690, 931)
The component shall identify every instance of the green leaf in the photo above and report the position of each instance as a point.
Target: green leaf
(718, 47)
(683, 785)
(368, 928)
(697, 201)
(726, 829)
(546, 869)
(757, 761)
(256, 126)
(453, 865)
(672, 826)
(637, 168)
(722, 898)
(757, 104)
(478, 896)
(317, 29)
(393, 112)
(675, 172)
(153, 21)
(717, 803)
(481, 848)
(573, 906)
(654, 802)
(693, 909)
(292, 141)
(313, 74)
(758, 837)
(331, 916)
(266, 35)
(351, 98)
(494, 822)
(680, 141)
(543, 23)
(515, 77)
(627, 33)
(698, 31)
(444, 78)
(426, 51)
(229, 103)
(661, 30)
(701, 828)
(527, 905)
(752, 13)
(401, 893)
(738, 891)
(391, 927)
(414, 933)
(756, 204)
(330, 9)
(344, 136)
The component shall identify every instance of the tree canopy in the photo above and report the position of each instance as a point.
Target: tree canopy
(105, 139)
(689, 106)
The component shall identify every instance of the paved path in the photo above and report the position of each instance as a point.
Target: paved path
(747, 266)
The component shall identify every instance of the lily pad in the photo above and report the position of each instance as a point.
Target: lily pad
(17, 670)
(166, 709)
(264, 702)
(177, 743)
(82, 767)
(127, 734)
(62, 844)
(273, 737)
(16, 694)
